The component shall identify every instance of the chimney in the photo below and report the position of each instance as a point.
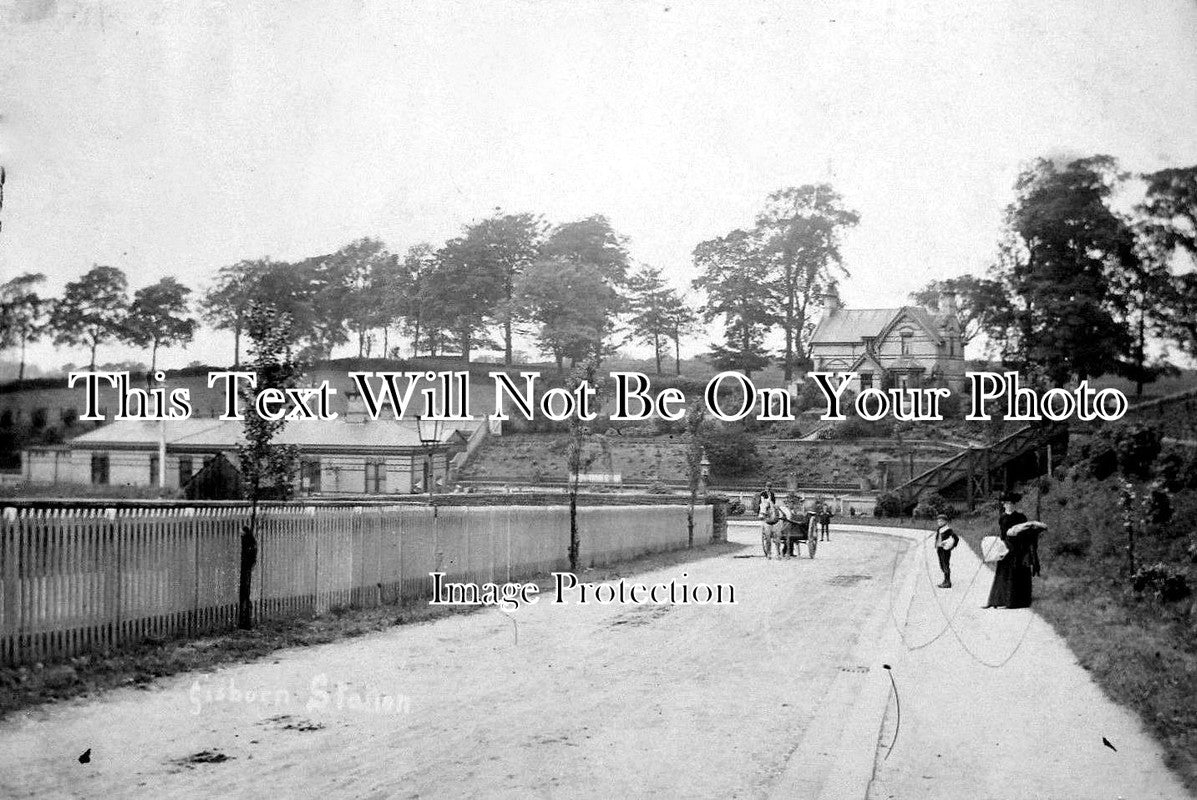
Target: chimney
(831, 302)
(355, 408)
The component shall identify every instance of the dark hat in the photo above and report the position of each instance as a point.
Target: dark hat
(941, 516)
(1010, 497)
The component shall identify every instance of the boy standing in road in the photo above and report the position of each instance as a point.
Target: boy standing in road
(945, 541)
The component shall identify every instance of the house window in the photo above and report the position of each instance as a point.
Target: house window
(376, 476)
(866, 380)
(154, 470)
(40, 415)
(69, 416)
(309, 475)
(186, 470)
(906, 336)
(99, 469)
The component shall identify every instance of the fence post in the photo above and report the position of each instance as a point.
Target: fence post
(10, 625)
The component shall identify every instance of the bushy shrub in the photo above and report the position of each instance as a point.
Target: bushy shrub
(1157, 505)
(665, 427)
(951, 407)
(785, 430)
(1136, 447)
(1077, 548)
(1167, 583)
(888, 505)
(932, 506)
(730, 448)
(1176, 470)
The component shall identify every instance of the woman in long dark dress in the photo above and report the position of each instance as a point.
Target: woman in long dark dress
(1014, 572)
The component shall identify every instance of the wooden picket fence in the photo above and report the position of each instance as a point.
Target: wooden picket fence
(80, 580)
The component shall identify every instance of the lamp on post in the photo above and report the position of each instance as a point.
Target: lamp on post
(429, 432)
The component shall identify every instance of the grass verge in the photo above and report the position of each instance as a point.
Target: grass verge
(1142, 652)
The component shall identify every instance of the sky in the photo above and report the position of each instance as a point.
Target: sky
(173, 138)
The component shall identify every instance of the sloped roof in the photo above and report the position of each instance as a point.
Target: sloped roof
(214, 434)
(921, 316)
(853, 324)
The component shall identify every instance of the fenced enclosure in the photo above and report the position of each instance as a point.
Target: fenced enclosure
(77, 580)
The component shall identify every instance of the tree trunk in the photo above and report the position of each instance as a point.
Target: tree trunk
(1140, 357)
(788, 367)
(657, 350)
(466, 338)
(677, 353)
(746, 339)
(249, 557)
(575, 541)
(415, 339)
(508, 352)
(92, 364)
(560, 362)
(386, 341)
(153, 368)
(361, 342)
(21, 368)
(237, 346)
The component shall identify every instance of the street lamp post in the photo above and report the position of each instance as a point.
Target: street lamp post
(429, 432)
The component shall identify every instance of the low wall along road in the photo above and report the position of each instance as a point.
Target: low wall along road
(75, 580)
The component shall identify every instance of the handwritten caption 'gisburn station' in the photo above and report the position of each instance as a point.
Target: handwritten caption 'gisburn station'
(729, 396)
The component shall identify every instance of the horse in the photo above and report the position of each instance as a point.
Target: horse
(773, 520)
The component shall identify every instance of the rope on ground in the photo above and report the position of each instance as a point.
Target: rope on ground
(949, 619)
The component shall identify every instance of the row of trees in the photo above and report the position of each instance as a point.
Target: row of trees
(571, 285)
(1079, 288)
(771, 275)
(95, 310)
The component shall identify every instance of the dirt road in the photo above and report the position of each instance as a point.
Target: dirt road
(552, 701)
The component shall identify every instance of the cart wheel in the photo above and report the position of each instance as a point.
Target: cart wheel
(811, 544)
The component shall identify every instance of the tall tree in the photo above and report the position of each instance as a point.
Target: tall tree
(23, 314)
(593, 243)
(573, 293)
(349, 291)
(681, 320)
(412, 297)
(226, 302)
(979, 302)
(573, 307)
(802, 228)
(504, 245)
(159, 318)
(1168, 224)
(267, 468)
(736, 280)
(466, 288)
(1066, 242)
(580, 451)
(92, 310)
(654, 306)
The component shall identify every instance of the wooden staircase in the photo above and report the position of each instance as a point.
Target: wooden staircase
(976, 467)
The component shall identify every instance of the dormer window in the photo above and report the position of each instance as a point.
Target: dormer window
(906, 335)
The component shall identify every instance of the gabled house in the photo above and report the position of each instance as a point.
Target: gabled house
(906, 346)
